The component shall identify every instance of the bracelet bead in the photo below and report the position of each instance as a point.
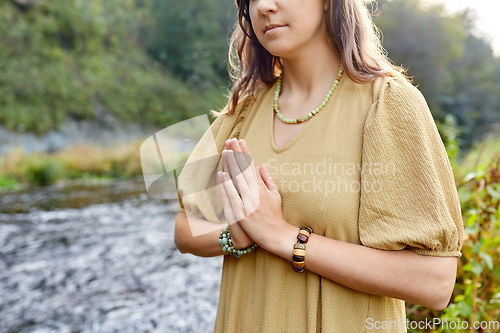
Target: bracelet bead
(302, 238)
(308, 229)
(298, 270)
(300, 246)
(299, 264)
(305, 233)
(299, 252)
(298, 258)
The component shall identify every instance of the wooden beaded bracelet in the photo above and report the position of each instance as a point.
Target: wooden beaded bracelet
(299, 249)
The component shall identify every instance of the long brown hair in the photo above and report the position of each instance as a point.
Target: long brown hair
(355, 37)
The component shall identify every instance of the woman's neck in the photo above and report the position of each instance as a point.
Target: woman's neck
(310, 71)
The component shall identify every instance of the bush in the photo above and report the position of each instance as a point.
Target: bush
(81, 59)
(74, 162)
(43, 171)
(477, 290)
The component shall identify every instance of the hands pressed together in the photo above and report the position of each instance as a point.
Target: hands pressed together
(252, 203)
(252, 206)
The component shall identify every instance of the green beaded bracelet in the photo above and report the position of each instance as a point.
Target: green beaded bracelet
(227, 245)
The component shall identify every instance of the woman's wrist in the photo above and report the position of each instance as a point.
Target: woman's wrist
(239, 237)
(226, 243)
(281, 243)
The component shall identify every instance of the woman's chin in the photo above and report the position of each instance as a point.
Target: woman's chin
(278, 52)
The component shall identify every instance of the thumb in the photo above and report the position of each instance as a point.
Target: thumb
(258, 174)
(268, 179)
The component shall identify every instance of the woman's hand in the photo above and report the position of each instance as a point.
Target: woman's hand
(258, 210)
(239, 237)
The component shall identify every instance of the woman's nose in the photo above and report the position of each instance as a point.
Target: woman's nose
(265, 6)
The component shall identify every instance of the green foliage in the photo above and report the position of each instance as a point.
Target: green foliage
(43, 171)
(158, 62)
(189, 38)
(73, 162)
(478, 157)
(7, 183)
(453, 67)
(80, 58)
(477, 290)
(422, 39)
(449, 133)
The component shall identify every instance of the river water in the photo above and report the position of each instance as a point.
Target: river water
(99, 258)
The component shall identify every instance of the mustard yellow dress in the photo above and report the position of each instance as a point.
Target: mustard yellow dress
(369, 169)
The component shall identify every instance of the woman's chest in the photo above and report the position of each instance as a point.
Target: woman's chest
(316, 165)
(284, 133)
(317, 172)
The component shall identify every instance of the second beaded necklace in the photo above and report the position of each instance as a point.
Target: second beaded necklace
(313, 112)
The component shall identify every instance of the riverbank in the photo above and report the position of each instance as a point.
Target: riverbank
(79, 161)
(107, 267)
(19, 169)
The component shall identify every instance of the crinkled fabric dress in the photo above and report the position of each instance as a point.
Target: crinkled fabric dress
(369, 169)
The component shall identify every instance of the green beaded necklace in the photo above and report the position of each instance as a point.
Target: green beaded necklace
(313, 112)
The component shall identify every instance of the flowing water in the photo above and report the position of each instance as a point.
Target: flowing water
(99, 258)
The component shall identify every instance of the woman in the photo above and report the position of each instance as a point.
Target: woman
(362, 165)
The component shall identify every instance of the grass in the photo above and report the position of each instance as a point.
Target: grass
(477, 158)
(74, 162)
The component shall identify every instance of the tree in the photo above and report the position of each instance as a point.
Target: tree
(190, 39)
(453, 67)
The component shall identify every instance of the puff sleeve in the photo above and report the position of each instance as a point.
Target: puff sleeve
(408, 195)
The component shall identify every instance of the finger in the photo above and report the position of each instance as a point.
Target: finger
(251, 194)
(235, 171)
(244, 165)
(231, 174)
(234, 199)
(250, 198)
(224, 167)
(248, 181)
(229, 144)
(232, 164)
(259, 178)
(268, 179)
(228, 210)
(253, 166)
(244, 160)
(246, 151)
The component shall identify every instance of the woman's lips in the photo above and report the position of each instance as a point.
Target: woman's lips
(274, 29)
